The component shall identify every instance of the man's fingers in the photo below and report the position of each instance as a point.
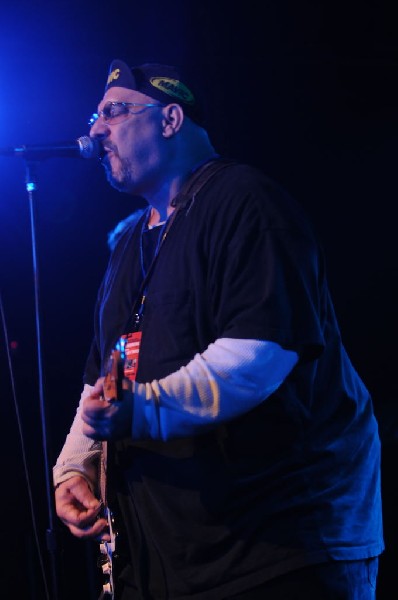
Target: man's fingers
(94, 530)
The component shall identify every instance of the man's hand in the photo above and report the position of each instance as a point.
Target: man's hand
(107, 419)
(79, 509)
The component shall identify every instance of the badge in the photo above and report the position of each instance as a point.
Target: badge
(131, 347)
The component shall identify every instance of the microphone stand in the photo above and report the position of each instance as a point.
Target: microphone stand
(50, 534)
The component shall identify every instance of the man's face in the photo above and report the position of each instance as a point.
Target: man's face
(133, 143)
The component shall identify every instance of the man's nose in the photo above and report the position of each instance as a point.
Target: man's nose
(99, 129)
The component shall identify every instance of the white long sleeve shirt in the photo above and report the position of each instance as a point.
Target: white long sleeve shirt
(228, 379)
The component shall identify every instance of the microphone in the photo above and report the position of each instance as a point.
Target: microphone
(83, 147)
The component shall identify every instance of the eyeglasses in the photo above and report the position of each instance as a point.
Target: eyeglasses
(116, 112)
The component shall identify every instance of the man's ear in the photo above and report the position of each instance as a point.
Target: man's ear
(173, 118)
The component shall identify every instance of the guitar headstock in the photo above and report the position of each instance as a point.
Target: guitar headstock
(114, 376)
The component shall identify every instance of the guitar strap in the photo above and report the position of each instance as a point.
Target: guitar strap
(198, 179)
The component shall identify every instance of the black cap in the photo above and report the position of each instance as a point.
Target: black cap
(163, 83)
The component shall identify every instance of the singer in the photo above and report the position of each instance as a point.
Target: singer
(240, 446)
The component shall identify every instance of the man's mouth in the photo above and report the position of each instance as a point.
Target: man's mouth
(106, 152)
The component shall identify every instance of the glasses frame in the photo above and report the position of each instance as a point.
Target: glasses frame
(111, 120)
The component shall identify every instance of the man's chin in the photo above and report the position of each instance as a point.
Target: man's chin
(115, 181)
(117, 178)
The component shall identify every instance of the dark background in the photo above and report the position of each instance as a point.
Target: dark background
(305, 90)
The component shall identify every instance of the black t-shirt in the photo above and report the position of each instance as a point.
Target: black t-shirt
(294, 481)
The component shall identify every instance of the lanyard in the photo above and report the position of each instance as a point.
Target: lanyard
(138, 314)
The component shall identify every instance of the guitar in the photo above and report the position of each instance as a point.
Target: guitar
(107, 551)
(113, 388)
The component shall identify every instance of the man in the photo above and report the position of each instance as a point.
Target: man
(242, 450)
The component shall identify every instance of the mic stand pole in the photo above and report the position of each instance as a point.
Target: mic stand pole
(50, 537)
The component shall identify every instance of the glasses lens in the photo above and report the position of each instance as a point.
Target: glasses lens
(114, 110)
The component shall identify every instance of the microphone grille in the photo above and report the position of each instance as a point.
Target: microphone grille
(88, 147)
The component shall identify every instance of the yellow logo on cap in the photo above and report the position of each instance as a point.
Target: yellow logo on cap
(173, 87)
(113, 75)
